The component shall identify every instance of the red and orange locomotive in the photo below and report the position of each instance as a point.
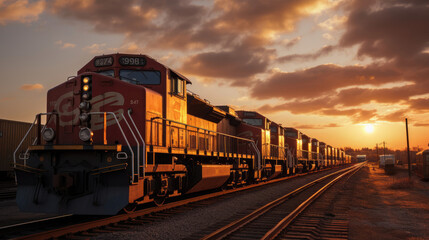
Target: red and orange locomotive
(125, 131)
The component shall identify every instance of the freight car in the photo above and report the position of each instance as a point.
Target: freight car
(11, 133)
(125, 131)
(422, 164)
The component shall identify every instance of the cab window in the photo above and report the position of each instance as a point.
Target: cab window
(140, 77)
(253, 121)
(177, 85)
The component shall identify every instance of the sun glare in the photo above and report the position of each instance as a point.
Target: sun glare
(369, 128)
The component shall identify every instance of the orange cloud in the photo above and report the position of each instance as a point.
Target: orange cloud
(30, 87)
(20, 11)
(65, 45)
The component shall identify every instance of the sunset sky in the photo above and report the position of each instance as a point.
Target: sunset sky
(332, 68)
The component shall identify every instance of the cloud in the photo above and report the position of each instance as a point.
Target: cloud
(397, 116)
(239, 64)
(237, 42)
(305, 57)
(327, 36)
(321, 80)
(288, 43)
(20, 11)
(333, 22)
(30, 87)
(420, 104)
(392, 32)
(96, 48)
(309, 126)
(421, 124)
(65, 45)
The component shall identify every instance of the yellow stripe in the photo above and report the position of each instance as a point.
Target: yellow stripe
(67, 147)
(117, 147)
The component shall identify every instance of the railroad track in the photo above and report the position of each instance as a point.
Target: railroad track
(145, 216)
(7, 190)
(270, 220)
(4, 195)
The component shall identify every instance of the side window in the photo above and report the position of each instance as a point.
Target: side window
(177, 85)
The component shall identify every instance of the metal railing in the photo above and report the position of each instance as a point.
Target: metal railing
(37, 120)
(196, 138)
(126, 140)
(143, 143)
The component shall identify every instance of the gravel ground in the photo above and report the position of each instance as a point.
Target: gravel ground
(188, 223)
(389, 207)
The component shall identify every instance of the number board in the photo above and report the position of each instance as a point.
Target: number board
(132, 61)
(103, 61)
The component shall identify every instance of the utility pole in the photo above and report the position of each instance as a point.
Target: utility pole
(408, 149)
(378, 157)
(384, 148)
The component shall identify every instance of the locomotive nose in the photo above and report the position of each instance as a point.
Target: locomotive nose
(62, 182)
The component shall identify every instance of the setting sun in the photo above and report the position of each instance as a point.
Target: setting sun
(369, 128)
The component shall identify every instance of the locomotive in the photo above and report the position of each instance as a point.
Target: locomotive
(125, 131)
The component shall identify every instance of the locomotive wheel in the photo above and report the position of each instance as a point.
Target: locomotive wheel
(130, 208)
(159, 201)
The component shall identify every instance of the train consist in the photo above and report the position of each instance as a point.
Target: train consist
(125, 131)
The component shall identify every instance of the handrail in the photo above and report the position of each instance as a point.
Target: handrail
(22, 141)
(25, 136)
(143, 142)
(138, 148)
(44, 127)
(123, 134)
(258, 154)
(252, 143)
(223, 134)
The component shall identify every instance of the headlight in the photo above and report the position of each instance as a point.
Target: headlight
(84, 117)
(85, 80)
(48, 134)
(84, 105)
(85, 134)
(86, 96)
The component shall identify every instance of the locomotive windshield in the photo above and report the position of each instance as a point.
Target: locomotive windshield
(140, 76)
(109, 73)
(252, 121)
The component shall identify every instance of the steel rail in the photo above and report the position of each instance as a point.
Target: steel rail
(56, 233)
(285, 222)
(234, 226)
(3, 228)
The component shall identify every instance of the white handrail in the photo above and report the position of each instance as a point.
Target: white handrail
(25, 136)
(143, 143)
(19, 145)
(257, 153)
(138, 147)
(123, 134)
